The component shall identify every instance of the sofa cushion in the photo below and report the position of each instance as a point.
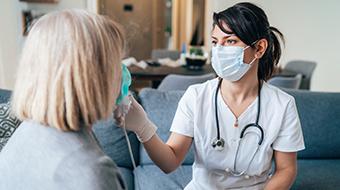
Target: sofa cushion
(113, 143)
(160, 107)
(320, 119)
(8, 123)
(319, 115)
(317, 174)
(4, 95)
(152, 178)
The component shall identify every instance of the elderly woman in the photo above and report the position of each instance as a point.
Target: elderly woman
(69, 77)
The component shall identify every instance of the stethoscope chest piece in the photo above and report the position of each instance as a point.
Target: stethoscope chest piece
(218, 144)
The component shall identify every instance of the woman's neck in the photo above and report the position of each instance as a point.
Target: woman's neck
(238, 91)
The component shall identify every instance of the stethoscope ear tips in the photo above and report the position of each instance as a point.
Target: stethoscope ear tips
(218, 144)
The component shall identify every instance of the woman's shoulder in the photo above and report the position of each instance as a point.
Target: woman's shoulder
(198, 93)
(35, 137)
(46, 136)
(73, 159)
(203, 88)
(97, 171)
(275, 94)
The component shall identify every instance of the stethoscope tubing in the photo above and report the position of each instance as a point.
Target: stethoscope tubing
(249, 125)
(243, 132)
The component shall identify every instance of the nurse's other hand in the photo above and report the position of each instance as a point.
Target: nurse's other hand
(137, 121)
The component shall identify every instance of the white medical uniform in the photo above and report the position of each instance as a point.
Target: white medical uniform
(195, 117)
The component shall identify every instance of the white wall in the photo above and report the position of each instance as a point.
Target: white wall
(2, 77)
(312, 32)
(11, 39)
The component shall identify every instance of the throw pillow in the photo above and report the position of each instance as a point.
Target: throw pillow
(8, 123)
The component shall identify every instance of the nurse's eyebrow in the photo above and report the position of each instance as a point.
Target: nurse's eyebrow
(224, 37)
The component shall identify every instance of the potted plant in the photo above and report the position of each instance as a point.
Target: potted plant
(196, 57)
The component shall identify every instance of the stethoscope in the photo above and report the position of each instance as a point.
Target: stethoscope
(219, 142)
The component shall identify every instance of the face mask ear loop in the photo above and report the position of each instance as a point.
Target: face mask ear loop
(247, 48)
(251, 63)
(250, 45)
(254, 42)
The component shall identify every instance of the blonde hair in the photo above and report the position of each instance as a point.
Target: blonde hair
(69, 74)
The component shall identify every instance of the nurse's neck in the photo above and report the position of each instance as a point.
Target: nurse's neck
(239, 91)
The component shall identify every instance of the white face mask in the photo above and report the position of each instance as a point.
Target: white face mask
(227, 61)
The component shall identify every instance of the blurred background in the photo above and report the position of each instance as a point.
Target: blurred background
(311, 29)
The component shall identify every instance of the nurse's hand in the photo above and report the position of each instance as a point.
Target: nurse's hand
(137, 121)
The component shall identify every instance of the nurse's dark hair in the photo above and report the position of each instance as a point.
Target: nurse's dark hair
(250, 23)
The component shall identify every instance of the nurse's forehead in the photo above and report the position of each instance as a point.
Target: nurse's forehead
(218, 33)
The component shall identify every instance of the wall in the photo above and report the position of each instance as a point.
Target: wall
(312, 32)
(2, 73)
(11, 39)
(311, 29)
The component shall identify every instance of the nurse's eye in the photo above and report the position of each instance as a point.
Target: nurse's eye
(231, 42)
(214, 43)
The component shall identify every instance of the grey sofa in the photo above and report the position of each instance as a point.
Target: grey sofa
(318, 165)
(4, 95)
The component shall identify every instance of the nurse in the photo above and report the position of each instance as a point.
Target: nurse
(237, 122)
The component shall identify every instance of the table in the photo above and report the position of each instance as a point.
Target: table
(156, 74)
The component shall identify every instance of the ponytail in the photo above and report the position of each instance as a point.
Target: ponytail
(272, 55)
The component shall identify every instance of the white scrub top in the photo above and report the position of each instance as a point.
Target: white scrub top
(195, 117)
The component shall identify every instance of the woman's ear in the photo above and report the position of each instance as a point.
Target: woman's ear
(261, 47)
